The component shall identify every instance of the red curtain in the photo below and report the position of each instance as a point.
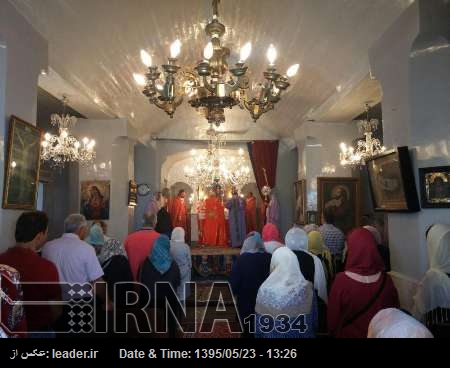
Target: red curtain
(264, 157)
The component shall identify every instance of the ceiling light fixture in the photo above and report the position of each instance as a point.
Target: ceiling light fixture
(212, 85)
(365, 148)
(64, 148)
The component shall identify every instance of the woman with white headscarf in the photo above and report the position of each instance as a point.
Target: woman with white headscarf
(181, 254)
(249, 272)
(310, 265)
(432, 300)
(312, 269)
(392, 323)
(286, 305)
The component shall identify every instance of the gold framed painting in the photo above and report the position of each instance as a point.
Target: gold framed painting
(300, 202)
(95, 199)
(22, 165)
(343, 197)
(392, 182)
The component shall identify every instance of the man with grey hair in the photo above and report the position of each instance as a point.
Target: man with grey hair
(76, 260)
(139, 245)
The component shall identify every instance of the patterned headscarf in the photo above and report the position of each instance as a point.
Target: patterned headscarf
(297, 239)
(112, 248)
(160, 257)
(253, 244)
(12, 311)
(178, 235)
(95, 237)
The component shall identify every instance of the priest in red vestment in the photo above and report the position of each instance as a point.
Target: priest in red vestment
(250, 213)
(214, 224)
(179, 213)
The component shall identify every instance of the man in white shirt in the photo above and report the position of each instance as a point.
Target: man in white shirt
(76, 260)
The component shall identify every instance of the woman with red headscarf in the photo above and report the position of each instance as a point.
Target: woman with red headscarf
(360, 292)
(271, 238)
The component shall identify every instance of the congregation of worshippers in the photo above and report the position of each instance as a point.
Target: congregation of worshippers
(315, 279)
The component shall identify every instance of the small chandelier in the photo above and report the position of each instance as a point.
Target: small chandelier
(213, 168)
(212, 85)
(366, 148)
(64, 148)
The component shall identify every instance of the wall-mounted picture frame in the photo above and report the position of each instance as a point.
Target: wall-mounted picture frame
(343, 197)
(300, 202)
(435, 187)
(392, 182)
(95, 199)
(22, 166)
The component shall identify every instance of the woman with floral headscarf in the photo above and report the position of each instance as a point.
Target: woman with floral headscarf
(249, 271)
(286, 305)
(360, 292)
(432, 300)
(117, 271)
(12, 312)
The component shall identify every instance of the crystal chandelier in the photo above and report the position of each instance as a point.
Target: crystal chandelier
(213, 168)
(64, 148)
(212, 85)
(366, 148)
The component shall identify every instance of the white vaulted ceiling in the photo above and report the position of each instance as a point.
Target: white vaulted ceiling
(94, 51)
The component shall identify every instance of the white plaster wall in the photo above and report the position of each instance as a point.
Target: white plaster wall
(318, 146)
(24, 53)
(416, 106)
(114, 154)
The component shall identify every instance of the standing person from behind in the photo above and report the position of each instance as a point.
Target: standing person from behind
(334, 238)
(139, 245)
(31, 235)
(164, 222)
(77, 263)
(360, 292)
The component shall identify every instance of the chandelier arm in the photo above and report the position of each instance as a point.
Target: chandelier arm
(207, 85)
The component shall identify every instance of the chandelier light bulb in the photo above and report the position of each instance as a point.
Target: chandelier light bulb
(85, 140)
(343, 147)
(175, 49)
(159, 87)
(241, 152)
(272, 54)
(48, 136)
(64, 134)
(92, 144)
(77, 145)
(246, 50)
(209, 51)
(293, 70)
(139, 79)
(44, 144)
(146, 58)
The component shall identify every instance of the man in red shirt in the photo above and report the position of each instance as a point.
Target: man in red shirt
(31, 235)
(139, 245)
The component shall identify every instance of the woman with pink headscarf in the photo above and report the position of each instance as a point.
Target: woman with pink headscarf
(271, 238)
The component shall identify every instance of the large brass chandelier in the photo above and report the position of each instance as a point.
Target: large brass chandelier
(215, 168)
(212, 85)
(365, 148)
(64, 148)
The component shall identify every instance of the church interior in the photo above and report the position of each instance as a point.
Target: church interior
(298, 175)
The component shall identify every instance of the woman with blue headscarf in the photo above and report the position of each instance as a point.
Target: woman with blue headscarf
(249, 272)
(161, 268)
